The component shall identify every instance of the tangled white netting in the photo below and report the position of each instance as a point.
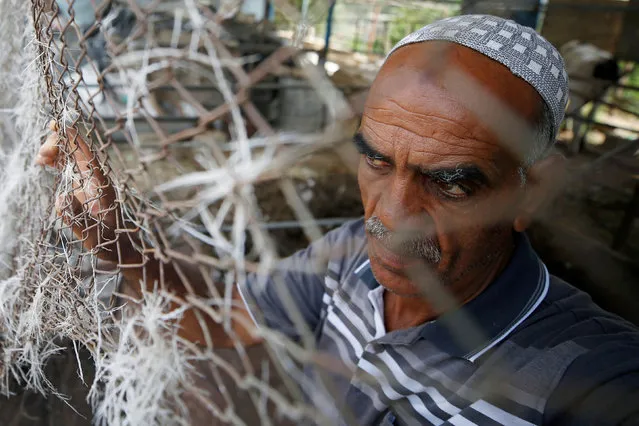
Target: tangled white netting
(183, 161)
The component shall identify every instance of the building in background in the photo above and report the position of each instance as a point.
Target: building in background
(524, 12)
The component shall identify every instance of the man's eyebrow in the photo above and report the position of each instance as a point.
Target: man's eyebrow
(364, 148)
(458, 174)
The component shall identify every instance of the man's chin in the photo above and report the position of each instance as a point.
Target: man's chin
(393, 279)
(398, 271)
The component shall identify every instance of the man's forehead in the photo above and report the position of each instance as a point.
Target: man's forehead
(406, 104)
(433, 69)
(458, 96)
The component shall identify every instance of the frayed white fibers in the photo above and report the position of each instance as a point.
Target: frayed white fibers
(144, 374)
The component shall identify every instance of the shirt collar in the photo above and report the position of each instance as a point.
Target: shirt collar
(488, 319)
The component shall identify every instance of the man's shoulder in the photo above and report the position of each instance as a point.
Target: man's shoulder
(568, 314)
(573, 355)
(347, 246)
(598, 350)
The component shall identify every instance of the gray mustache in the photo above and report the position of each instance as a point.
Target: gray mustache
(404, 244)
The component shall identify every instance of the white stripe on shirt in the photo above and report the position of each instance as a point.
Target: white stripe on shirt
(360, 267)
(498, 415)
(344, 331)
(392, 394)
(416, 387)
(461, 421)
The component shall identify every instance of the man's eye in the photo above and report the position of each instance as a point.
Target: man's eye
(376, 163)
(453, 190)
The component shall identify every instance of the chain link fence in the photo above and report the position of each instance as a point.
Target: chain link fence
(176, 137)
(161, 134)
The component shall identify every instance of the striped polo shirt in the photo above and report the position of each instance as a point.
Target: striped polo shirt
(530, 349)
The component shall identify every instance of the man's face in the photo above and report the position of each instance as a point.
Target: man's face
(438, 186)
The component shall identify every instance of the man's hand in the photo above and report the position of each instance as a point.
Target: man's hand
(89, 205)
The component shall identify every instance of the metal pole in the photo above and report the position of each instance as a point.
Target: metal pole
(271, 12)
(267, 11)
(329, 29)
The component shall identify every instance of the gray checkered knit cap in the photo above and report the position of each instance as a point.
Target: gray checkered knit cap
(526, 54)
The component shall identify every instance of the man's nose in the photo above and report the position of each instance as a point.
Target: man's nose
(401, 207)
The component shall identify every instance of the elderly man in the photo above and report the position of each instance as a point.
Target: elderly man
(436, 301)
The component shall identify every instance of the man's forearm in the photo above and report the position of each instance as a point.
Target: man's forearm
(195, 324)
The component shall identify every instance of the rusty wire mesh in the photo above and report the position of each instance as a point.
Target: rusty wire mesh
(163, 137)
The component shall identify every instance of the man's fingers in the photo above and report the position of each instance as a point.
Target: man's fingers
(84, 158)
(87, 204)
(71, 210)
(44, 161)
(50, 148)
(49, 151)
(88, 229)
(74, 144)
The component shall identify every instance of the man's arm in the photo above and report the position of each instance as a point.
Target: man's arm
(190, 327)
(94, 194)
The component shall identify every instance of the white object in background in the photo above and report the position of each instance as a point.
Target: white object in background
(581, 60)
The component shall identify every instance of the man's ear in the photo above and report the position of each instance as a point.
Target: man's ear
(544, 181)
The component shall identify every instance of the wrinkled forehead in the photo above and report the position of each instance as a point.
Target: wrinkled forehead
(458, 72)
(460, 85)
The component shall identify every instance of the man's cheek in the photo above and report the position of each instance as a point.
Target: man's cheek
(454, 229)
(370, 191)
(361, 180)
(484, 211)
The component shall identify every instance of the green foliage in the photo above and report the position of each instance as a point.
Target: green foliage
(408, 20)
(633, 80)
(378, 46)
(357, 45)
(627, 98)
